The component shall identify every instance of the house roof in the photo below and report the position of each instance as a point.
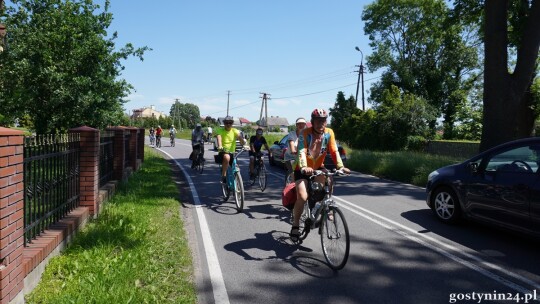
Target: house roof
(275, 121)
(244, 120)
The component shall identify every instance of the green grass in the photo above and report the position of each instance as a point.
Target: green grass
(135, 252)
(403, 166)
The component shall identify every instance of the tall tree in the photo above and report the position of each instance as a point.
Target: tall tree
(509, 103)
(343, 108)
(423, 51)
(187, 113)
(60, 68)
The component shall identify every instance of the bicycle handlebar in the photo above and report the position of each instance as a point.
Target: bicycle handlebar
(333, 172)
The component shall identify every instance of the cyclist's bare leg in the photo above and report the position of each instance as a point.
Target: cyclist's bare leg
(225, 164)
(251, 162)
(301, 198)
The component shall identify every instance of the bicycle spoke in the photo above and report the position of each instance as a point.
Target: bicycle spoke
(335, 238)
(238, 192)
(262, 177)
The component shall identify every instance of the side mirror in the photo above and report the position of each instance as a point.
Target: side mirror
(474, 167)
(276, 143)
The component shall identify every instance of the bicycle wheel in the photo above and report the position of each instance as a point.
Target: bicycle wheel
(262, 176)
(200, 165)
(172, 142)
(238, 192)
(256, 174)
(225, 190)
(334, 237)
(305, 223)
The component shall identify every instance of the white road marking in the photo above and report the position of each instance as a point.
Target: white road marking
(216, 276)
(480, 265)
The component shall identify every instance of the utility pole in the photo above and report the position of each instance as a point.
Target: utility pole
(228, 95)
(264, 106)
(360, 75)
(176, 113)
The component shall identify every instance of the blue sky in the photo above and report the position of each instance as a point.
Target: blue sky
(301, 52)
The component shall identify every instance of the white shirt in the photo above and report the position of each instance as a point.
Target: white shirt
(294, 138)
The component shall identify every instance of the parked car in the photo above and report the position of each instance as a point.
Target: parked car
(279, 148)
(500, 186)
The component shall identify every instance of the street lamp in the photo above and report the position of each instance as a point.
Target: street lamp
(360, 74)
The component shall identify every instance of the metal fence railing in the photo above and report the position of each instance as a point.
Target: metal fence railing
(106, 157)
(51, 179)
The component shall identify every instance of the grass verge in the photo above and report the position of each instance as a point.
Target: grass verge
(135, 252)
(402, 166)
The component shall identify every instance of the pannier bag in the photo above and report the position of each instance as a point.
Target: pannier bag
(288, 197)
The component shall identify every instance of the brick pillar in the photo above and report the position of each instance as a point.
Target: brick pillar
(119, 152)
(11, 213)
(89, 167)
(140, 140)
(133, 148)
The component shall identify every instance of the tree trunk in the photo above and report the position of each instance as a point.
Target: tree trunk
(507, 112)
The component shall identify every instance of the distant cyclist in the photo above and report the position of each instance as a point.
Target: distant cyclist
(159, 131)
(209, 134)
(292, 142)
(255, 144)
(172, 132)
(226, 142)
(196, 139)
(152, 135)
(313, 145)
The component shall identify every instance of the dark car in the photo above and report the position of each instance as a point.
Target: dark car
(500, 186)
(279, 148)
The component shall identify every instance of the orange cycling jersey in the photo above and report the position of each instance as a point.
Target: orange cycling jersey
(312, 149)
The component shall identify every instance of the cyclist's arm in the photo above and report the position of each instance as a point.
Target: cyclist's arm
(241, 139)
(219, 145)
(332, 148)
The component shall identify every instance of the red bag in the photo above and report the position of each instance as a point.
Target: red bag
(288, 197)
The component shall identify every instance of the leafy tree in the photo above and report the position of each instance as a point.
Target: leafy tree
(187, 113)
(342, 109)
(401, 115)
(423, 50)
(60, 68)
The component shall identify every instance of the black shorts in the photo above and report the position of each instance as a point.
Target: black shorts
(251, 153)
(219, 158)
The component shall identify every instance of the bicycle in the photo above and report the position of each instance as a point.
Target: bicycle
(234, 182)
(152, 139)
(327, 218)
(198, 162)
(158, 141)
(289, 176)
(260, 171)
(172, 139)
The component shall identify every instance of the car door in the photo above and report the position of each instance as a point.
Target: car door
(502, 193)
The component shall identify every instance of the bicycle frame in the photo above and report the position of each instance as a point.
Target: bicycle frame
(232, 169)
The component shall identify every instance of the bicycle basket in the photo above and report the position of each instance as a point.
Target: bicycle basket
(316, 191)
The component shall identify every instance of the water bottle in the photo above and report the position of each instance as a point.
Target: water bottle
(315, 209)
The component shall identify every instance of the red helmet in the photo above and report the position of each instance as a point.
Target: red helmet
(319, 113)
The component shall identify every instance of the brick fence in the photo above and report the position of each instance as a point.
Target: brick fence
(21, 266)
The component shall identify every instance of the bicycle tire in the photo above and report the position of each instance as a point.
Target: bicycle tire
(304, 223)
(255, 176)
(238, 192)
(200, 165)
(335, 239)
(225, 191)
(262, 176)
(172, 142)
(289, 178)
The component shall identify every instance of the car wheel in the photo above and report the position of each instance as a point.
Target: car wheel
(445, 205)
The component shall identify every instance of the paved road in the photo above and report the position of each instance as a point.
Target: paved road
(399, 252)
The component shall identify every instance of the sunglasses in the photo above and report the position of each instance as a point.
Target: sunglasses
(228, 123)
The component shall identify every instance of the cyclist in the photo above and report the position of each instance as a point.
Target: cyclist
(313, 145)
(209, 134)
(226, 142)
(159, 130)
(172, 133)
(196, 139)
(292, 141)
(255, 144)
(152, 135)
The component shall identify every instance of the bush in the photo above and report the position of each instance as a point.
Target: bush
(416, 143)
